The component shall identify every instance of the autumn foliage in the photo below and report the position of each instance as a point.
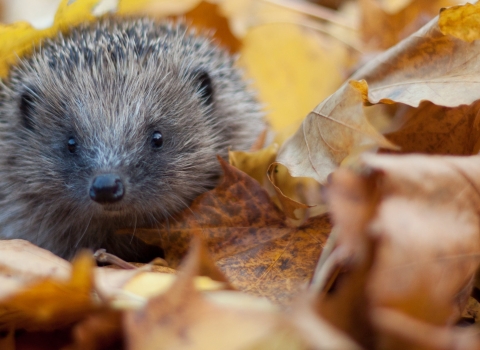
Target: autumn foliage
(354, 224)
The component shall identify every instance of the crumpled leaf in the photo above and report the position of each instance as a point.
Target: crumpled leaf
(288, 204)
(436, 129)
(427, 66)
(401, 242)
(98, 331)
(461, 22)
(52, 304)
(183, 318)
(247, 236)
(22, 263)
(334, 129)
(386, 22)
(409, 332)
(255, 164)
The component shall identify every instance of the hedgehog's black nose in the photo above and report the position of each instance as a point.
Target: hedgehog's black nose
(107, 189)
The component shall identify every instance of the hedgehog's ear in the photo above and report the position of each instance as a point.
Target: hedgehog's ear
(27, 103)
(204, 86)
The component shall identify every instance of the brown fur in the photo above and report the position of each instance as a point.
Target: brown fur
(109, 85)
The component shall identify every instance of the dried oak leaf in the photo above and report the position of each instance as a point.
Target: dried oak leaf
(247, 236)
(406, 237)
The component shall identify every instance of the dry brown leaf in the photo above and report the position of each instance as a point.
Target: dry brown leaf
(427, 66)
(183, 318)
(436, 129)
(317, 331)
(52, 304)
(98, 331)
(420, 213)
(387, 22)
(53, 340)
(340, 280)
(289, 205)
(334, 129)
(247, 236)
(208, 16)
(401, 331)
(22, 263)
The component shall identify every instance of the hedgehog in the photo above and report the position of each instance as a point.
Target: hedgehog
(116, 124)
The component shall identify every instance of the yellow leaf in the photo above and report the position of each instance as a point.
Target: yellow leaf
(71, 13)
(462, 22)
(255, 163)
(334, 129)
(52, 304)
(292, 72)
(19, 39)
(157, 8)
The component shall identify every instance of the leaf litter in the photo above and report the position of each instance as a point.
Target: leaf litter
(399, 267)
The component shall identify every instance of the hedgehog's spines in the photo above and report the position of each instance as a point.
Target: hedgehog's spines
(110, 85)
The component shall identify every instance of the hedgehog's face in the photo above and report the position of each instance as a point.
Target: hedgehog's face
(116, 146)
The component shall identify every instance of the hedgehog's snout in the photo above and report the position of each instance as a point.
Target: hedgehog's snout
(107, 188)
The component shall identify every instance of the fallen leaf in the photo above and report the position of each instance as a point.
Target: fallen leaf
(436, 129)
(387, 22)
(157, 8)
(98, 331)
(183, 318)
(22, 263)
(302, 73)
(208, 16)
(315, 330)
(255, 164)
(247, 236)
(461, 22)
(424, 235)
(19, 39)
(288, 204)
(427, 66)
(402, 331)
(52, 304)
(334, 129)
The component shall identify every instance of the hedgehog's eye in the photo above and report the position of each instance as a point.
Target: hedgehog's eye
(157, 139)
(72, 145)
(204, 86)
